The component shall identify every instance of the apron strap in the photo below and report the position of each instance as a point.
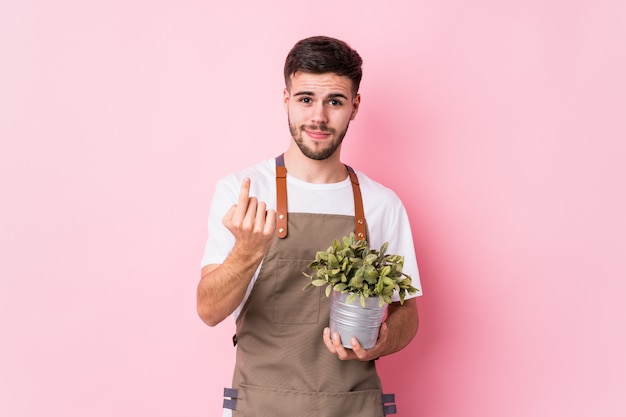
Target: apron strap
(231, 394)
(359, 213)
(281, 197)
(360, 225)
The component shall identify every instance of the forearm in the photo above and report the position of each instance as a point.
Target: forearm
(222, 287)
(402, 323)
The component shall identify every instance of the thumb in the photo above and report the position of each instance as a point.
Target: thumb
(228, 217)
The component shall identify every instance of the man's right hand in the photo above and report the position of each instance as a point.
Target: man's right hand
(250, 222)
(223, 286)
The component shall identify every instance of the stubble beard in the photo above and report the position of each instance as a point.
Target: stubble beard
(308, 151)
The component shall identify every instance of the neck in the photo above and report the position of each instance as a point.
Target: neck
(327, 171)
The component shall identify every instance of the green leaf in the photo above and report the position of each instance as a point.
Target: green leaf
(370, 259)
(381, 301)
(379, 287)
(371, 271)
(332, 261)
(356, 282)
(350, 265)
(350, 299)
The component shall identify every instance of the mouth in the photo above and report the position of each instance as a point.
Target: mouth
(317, 134)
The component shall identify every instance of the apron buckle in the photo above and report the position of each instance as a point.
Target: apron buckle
(389, 408)
(230, 400)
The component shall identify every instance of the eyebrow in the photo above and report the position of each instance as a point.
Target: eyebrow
(331, 96)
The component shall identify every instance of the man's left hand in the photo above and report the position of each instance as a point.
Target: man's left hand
(333, 343)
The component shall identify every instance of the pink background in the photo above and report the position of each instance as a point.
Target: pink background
(500, 123)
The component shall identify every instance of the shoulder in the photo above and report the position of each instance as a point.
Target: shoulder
(374, 190)
(384, 211)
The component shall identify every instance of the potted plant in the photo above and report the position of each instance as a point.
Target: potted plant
(351, 270)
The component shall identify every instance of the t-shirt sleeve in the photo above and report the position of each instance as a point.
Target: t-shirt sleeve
(219, 241)
(400, 237)
(388, 221)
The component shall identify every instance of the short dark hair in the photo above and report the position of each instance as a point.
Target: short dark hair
(321, 54)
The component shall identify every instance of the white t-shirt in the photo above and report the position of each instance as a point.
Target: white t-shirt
(386, 217)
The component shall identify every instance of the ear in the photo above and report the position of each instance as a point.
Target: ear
(285, 97)
(355, 106)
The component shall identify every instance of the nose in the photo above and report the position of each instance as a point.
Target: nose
(319, 115)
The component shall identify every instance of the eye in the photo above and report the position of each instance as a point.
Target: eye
(305, 100)
(334, 102)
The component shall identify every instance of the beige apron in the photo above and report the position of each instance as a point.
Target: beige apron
(283, 368)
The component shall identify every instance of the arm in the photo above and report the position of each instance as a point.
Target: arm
(222, 287)
(395, 334)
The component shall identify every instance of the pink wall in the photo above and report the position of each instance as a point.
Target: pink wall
(500, 123)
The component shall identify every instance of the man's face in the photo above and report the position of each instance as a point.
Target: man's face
(319, 109)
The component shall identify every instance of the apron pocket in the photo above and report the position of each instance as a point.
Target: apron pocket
(291, 304)
(255, 401)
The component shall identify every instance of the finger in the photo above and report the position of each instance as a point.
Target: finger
(357, 348)
(374, 351)
(340, 350)
(328, 342)
(382, 335)
(242, 202)
(270, 222)
(228, 217)
(260, 218)
(249, 219)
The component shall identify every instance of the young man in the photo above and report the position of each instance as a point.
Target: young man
(265, 225)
